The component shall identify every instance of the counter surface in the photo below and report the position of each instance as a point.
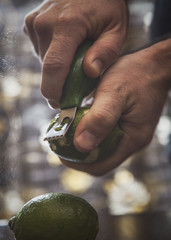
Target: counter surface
(146, 226)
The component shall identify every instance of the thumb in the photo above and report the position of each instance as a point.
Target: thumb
(100, 119)
(103, 53)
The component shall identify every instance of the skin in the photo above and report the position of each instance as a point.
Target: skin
(56, 29)
(132, 91)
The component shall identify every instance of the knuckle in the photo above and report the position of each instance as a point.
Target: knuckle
(63, 19)
(53, 64)
(72, 16)
(40, 24)
(103, 120)
(69, 20)
(111, 52)
(29, 20)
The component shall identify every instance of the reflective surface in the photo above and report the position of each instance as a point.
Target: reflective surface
(145, 226)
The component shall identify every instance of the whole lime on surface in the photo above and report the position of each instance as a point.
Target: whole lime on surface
(55, 216)
(64, 147)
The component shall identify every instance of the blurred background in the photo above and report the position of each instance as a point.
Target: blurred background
(28, 168)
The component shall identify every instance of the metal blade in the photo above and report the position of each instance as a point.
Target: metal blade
(59, 129)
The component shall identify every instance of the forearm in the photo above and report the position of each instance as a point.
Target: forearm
(159, 59)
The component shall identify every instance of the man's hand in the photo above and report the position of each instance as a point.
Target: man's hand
(132, 92)
(58, 27)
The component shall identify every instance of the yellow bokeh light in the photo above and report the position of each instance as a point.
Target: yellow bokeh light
(53, 159)
(76, 181)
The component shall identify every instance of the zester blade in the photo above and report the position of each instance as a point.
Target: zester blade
(64, 120)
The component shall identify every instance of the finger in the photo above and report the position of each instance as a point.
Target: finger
(102, 116)
(125, 149)
(29, 29)
(103, 53)
(43, 32)
(56, 65)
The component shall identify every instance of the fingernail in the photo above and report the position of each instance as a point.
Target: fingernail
(53, 104)
(87, 141)
(98, 67)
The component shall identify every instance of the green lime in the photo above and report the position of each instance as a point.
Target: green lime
(55, 216)
(77, 85)
(64, 147)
